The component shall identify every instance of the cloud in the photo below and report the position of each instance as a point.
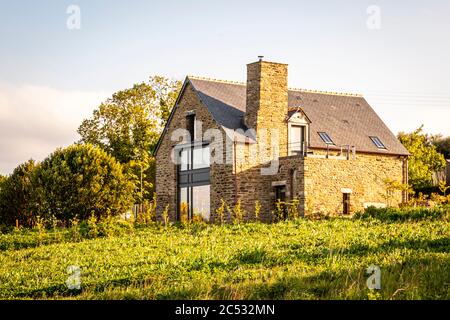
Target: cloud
(35, 120)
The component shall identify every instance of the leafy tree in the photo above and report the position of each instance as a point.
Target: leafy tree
(442, 145)
(128, 126)
(79, 181)
(2, 179)
(16, 195)
(424, 157)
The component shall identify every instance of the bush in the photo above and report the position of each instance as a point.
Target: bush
(79, 181)
(405, 214)
(16, 195)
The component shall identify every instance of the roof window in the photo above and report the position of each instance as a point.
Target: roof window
(325, 137)
(376, 141)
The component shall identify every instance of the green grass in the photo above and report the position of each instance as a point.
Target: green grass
(302, 259)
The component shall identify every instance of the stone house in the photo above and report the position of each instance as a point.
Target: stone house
(262, 141)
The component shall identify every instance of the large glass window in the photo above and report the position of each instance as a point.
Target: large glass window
(194, 182)
(201, 157)
(200, 202)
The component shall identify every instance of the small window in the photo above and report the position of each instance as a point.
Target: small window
(325, 137)
(378, 142)
(190, 125)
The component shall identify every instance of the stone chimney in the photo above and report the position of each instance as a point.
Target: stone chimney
(267, 99)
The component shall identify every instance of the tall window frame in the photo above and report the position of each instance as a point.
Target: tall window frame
(193, 179)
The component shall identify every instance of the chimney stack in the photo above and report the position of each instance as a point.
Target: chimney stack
(267, 98)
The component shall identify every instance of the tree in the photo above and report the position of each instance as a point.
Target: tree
(2, 179)
(79, 181)
(129, 124)
(424, 157)
(16, 193)
(442, 145)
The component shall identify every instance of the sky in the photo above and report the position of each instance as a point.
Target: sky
(57, 66)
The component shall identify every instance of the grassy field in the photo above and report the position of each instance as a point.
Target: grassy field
(302, 259)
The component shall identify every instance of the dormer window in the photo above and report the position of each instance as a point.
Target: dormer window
(376, 141)
(325, 138)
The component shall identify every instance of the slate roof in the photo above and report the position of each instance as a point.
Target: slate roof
(347, 118)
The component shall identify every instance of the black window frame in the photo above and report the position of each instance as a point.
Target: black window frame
(190, 177)
(325, 136)
(377, 142)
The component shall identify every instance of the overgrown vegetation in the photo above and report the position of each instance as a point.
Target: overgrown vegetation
(424, 159)
(296, 259)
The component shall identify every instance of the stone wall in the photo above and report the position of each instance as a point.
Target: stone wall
(326, 179)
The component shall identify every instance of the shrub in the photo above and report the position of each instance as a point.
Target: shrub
(405, 214)
(279, 213)
(257, 210)
(78, 181)
(16, 195)
(220, 211)
(237, 213)
(148, 215)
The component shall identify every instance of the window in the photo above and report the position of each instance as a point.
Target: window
(190, 125)
(200, 201)
(325, 137)
(297, 137)
(280, 199)
(194, 182)
(201, 157)
(378, 142)
(346, 202)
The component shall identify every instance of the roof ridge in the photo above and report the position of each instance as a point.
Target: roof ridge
(216, 80)
(347, 94)
(292, 89)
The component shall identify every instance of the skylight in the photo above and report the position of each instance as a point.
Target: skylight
(325, 137)
(376, 141)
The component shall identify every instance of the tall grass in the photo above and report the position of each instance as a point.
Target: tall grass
(297, 259)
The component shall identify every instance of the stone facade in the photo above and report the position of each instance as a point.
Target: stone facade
(319, 182)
